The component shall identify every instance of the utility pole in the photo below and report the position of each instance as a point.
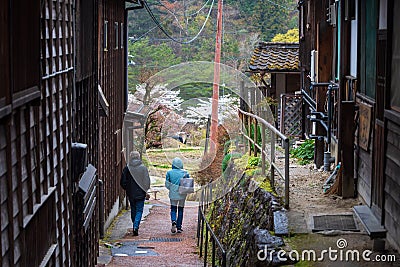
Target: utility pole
(217, 70)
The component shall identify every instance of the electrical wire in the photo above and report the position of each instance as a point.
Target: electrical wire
(167, 34)
(198, 11)
(134, 40)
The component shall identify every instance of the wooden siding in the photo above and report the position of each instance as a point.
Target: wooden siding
(392, 183)
(364, 173)
(35, 203)
(112, 82)
(364, 166)
(86, 120)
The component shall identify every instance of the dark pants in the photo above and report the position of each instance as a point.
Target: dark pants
(136, 211)
(177, 205)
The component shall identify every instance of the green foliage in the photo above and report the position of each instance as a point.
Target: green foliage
(253, 162)
(273, 18)
(148, 59)
(305, 152)
(259, 140)
(228, 158)
(245, 22)
(227, 146)
(292, 36)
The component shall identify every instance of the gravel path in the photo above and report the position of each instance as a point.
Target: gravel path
(157, 225)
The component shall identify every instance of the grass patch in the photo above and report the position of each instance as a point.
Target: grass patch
(161, 166)
(182, 149)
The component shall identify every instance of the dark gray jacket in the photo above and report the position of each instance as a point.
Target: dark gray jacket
(135, 180)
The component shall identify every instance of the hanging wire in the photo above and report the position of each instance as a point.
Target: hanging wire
(198, 11)
(167, 34)
(141, 36)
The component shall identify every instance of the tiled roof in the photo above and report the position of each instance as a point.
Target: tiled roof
(275, 57)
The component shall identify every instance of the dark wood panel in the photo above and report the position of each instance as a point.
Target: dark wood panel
(25, 55)
(364, 190)
(393, 153)
(393, 139)
(392, 189)
(347, 132)
(86, 40)
(4, 52)
(112, 62)
(365, 166)
(379, 156)
(392, 227)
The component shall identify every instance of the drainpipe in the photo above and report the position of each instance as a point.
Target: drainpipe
(126, 13)
(327, 154)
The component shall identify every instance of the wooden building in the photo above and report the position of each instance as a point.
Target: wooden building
(356, 52)
(277, 66)
(281, 61)
(111, 58)
(37, 74)
(62, 83)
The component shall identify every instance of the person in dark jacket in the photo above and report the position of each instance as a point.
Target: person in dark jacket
(135, 180)
(177, 200)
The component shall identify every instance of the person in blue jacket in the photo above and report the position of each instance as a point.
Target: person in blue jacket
(177, 200)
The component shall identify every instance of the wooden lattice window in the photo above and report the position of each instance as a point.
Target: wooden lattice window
(291, 115)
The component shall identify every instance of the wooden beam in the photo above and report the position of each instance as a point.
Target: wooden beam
(347, 132)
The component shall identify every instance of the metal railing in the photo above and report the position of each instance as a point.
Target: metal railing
(270, 156)
(205, 232)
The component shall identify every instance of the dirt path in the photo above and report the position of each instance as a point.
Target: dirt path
(180, 250)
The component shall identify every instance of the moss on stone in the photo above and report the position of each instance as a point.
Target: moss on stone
(266, 185)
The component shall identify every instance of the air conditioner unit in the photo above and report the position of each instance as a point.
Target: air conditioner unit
(314, 66)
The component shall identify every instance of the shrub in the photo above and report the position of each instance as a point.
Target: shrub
(253, 162)
(227, 158)
(304, 153)
(227, 146)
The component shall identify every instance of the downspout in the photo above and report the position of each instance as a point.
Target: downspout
(126, 13)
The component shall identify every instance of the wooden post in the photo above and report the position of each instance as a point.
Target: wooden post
(324, 46)
(286, 174)
(255, 137)
(249, 133)
(262, 149)
(347, 131)
(272, 157)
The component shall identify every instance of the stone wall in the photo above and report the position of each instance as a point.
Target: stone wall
(242, 220)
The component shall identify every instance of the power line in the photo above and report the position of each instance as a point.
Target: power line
(167, 34)
(198, 11)
(141, 36)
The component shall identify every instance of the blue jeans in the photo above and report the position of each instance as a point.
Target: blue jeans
(136, 211)
(177, 205)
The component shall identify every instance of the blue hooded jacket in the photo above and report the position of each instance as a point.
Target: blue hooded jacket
(173, 177)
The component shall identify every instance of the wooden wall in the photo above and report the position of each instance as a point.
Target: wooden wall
(35, 134)
(364, 161)
(111, 69)
(392, 183)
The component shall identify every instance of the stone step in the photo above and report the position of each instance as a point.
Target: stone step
(281, 224)
(369, 221)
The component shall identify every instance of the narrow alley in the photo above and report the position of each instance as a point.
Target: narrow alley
(155, 245)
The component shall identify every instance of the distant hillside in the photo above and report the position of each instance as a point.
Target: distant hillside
(245, 23)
